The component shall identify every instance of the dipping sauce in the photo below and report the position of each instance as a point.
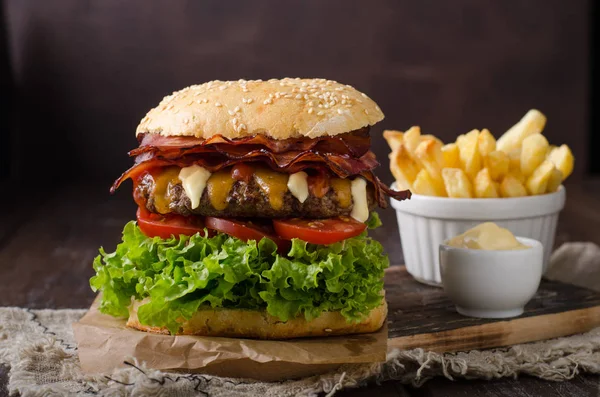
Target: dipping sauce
(487, 236)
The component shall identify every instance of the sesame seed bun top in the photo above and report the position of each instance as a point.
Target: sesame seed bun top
(280, 109)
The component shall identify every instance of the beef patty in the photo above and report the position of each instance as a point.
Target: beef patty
(247, 200)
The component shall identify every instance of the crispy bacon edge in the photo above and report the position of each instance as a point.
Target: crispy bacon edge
(355, 143)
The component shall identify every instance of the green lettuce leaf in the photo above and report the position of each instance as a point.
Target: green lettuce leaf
(181, 273)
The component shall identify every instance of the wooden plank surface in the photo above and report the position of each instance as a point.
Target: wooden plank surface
(49, 239)
(422, 316)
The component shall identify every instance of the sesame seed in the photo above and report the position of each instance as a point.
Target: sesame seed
(231, 112)
(340, 111)
(268, 101)
(170, 107)
(186, 121)
(249, 100)
(223, 87)
(234, 121)
(241, 127)
(377, 107)
(244, 89)
(310, 110)
(320, 113)
(328, 330)
(366, 111)
(299, 96)
(343, 101)
(306, 97)
(364, 95)
(218, 104)
(237, 109)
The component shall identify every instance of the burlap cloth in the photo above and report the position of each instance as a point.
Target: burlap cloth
(39, 347)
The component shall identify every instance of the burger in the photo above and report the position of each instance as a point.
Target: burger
(254, 199)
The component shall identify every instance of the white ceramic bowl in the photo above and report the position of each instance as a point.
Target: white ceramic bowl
(491, 284)
(426, 221)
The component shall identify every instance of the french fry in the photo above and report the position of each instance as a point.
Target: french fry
(537, 183)
(512, 187)
(393, 138)
(457, 183)
(518, 175)
(520, 163)
(532, 123)
(425, 137)
(556, 178)
(450, 156)
(411, 140)
(469, 153)
(429, 155)
(483, 185)
(533, 153)
(514, 164)
(563, 159)
(403, 168)
(486, 142)
(426, 185)
(498, 164)
(514, 157)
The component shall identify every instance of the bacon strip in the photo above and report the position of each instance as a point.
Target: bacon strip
(382, 190)
(289, 162)
(345, 155)
(354, 144)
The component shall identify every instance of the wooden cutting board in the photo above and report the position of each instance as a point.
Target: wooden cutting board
(422, 316)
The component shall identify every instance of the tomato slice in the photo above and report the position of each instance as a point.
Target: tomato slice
(165, 226)
(247, 231)
(319, 231)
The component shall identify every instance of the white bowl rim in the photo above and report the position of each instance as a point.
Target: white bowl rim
(481, 209)
(530, 242)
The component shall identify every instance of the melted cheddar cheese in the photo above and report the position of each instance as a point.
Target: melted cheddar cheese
(341, 187)
(162, 188)
(273, 185)
(218, 187)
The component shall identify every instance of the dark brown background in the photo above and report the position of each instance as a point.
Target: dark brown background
(85, 72)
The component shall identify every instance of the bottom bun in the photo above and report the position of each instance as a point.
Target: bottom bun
(256, 324)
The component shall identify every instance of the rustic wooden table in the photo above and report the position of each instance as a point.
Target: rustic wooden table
(48, 241)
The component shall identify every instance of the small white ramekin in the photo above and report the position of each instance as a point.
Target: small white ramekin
(425, 222)
(491, 284)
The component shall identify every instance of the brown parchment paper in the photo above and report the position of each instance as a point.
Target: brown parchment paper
(104, 343)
